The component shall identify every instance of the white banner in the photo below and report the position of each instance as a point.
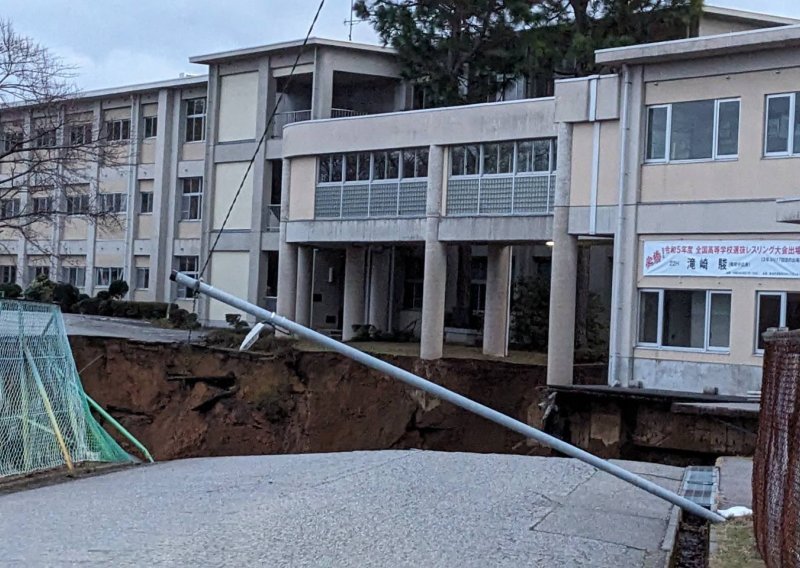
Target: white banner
(743, 259)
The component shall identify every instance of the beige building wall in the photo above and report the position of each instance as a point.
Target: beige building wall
(304, 184)
(229, 272)
(193, 150)
(226, 182)
(238, 107)
(751, 176)
(583, 142)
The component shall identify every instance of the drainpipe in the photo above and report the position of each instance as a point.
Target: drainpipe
(616, 286)
(595, 154)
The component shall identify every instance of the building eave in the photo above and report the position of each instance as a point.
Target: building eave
(222, 56)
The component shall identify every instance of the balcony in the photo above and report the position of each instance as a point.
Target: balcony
(291, 116)
(272, 219)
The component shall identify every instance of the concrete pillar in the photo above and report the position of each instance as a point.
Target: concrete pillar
(624, 290)
(160, 262)
(353, 305)
(435, 272)
(379, 289)
(305, 269)
(498, 292)
(561, 335)
(287, 256)
(322, 87)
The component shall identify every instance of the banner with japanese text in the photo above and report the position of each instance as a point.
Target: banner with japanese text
(748, 259)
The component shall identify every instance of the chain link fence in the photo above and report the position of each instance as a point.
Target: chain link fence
(45, 421)
(776, 464)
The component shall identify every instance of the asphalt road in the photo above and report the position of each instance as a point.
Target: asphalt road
(360, 509)
(136, 330)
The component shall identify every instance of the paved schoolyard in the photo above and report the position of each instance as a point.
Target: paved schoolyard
(383, 508)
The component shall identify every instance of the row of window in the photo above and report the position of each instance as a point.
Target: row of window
(191, 202)
(709, 129)
(116, 129)
(701, 319)
(504, 158)
(410, 163)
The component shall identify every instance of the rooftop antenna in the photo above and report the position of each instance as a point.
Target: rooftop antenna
(351, 21)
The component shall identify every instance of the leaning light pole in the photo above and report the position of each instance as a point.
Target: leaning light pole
(439, 391)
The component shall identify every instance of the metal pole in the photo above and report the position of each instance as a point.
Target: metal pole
(448, 395)
(111, 420)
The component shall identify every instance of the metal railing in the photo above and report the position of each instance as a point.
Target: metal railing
(288, 117)
(272, 219)
(345, 112)
(438, 391)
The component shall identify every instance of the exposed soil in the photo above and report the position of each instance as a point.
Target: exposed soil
(188, 401)
(691, 547)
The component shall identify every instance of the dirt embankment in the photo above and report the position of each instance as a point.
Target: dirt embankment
(187, 401)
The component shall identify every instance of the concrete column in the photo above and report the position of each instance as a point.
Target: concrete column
(160, 262)
(353, 305)
(379, 289)
(305, 269)
(435, 272)
(498, 293)
(624, 290)
(287, 256)
(561, 335)
(133, 183)
(322, 87)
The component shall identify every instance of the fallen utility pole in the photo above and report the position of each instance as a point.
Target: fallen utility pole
(438, 391)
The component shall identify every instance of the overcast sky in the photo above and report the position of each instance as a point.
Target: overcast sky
(121, 42)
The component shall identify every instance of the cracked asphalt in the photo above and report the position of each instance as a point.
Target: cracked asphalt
(359, 509)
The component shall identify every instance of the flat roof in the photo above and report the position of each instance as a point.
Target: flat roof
(748, 16)
(142, 87)
(705, 46)
(272, 47)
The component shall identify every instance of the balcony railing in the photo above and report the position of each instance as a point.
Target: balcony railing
(521, 194)
(288, 117)
(345, 112)
(272, 219)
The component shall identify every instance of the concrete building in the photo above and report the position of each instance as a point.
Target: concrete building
(154, 191)
(693, 171)
(664, 187)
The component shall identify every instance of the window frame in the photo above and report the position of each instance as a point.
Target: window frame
(145, 197)
(790, 149)
(659, 345)
(149, 127)
(784, 296)
(184, 292)
(98, 270)
(188, 197)
(118, 200)
(139, 271)
(67, 272)
(715, 155)
(124, 125)
(8, 274)
(81, 199)
(192, 117)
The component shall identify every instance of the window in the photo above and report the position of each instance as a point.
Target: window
(196, 119)
(142, 278)
(9, 208)
(415, 163)
(78, 134)
(357, 167)
(36, 271)
(8, 274)
(776, 309)
(77, 204)
(119, 129)
(146, 202)
(150, 126)
(696, 130)
(12, 140)
(192, 199)
(189, 266)
(782, 131)
(685, 319)
(386, 165)
(505, 158)
(477, 294)
(105, 275)
(330, 168)
(464, 160)
(75, 275)
(41, 205)
(45, 137)
(112, 202)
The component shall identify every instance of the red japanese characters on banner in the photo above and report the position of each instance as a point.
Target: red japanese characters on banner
(740, 258)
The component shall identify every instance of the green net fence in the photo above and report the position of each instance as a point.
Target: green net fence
(45, 420)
